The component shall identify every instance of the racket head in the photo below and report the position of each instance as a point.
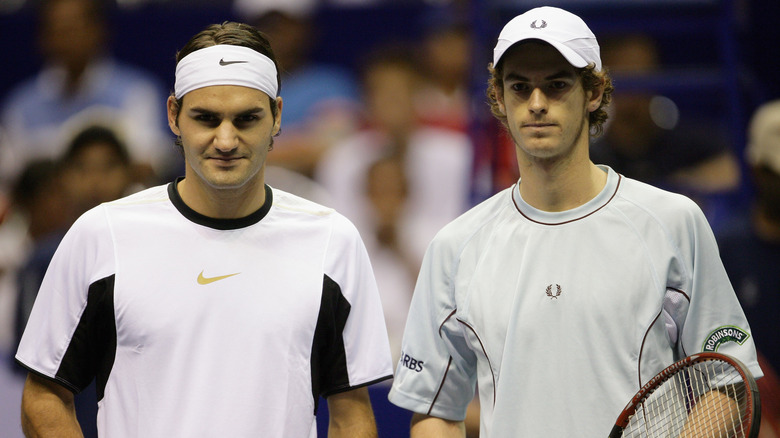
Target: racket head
(661, 406)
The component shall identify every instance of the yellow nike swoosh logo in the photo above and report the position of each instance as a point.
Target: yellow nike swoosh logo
(205, 280)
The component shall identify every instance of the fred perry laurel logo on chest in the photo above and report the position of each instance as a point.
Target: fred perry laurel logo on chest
(554, 291)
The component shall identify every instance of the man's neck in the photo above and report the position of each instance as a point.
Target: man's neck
(561, 185)
(222, 203)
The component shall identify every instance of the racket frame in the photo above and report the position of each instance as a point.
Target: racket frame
(751, 390)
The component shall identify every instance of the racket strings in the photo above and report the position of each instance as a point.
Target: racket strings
(677, 407)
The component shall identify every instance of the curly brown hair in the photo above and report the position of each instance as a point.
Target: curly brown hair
(591, 79)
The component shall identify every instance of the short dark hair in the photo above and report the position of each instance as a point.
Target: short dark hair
(36, 176)
(393, 54)
(235, 34)
(96, 134)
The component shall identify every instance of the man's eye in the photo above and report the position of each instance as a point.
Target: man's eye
(248, 118)
(205, 118)
(520, 86)
(558, 85)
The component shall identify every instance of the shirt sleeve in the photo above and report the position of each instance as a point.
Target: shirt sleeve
(713, 321)
(351, 344)
(63, 340)
(436, 374)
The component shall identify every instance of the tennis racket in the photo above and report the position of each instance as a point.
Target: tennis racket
(703, 395)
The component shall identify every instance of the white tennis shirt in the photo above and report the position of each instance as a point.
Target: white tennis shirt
(559, 318)
(197, 327)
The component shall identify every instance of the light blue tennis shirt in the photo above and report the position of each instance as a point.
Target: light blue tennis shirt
(559, 318)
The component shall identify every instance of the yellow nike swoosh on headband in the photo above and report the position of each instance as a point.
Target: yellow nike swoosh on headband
(205, 280)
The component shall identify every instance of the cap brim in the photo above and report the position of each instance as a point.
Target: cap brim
(571, 56)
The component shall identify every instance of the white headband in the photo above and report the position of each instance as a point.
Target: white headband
(225, 64)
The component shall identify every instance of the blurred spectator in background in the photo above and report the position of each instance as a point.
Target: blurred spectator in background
(750, 247)
(320, 99)
(387, 190)
(80, 84)
(95, 168)
(445, 59)
(37, 208)
(436, 161)
(98, 168)
(646, 139)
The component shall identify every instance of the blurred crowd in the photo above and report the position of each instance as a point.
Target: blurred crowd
(396, 142)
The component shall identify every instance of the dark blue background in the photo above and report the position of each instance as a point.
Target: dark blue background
(724, 59)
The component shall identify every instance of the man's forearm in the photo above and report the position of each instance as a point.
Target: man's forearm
(358, 426)
(424, 426)
(48, 410)
(362, 429)
(351, 415)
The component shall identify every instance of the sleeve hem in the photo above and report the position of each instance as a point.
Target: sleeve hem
(345, 388)
(64, 383)
(405, 401)
(755, 370)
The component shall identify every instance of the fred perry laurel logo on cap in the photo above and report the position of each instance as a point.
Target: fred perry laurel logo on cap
(538, 26)
(223, 62)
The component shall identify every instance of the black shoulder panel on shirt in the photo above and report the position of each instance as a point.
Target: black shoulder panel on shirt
(92, 348)
(329, 359)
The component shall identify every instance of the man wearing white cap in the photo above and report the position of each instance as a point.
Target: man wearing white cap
(560, 296)
(215, 305)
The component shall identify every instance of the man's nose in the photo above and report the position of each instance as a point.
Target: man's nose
(226, 137)
(537, 102)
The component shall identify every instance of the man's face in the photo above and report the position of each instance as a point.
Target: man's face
(225, 132)
(96, 174)
(389, 95)
(70, 35)
(545, 104)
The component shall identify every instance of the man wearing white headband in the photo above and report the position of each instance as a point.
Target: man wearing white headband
(560, 296)
(214, 305)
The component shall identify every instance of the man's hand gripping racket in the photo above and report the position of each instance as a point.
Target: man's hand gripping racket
(703, 395)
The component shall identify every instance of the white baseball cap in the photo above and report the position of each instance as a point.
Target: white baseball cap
(763, 146)
(557, 27)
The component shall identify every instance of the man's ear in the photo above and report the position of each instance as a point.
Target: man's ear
(173, 114)
(278, 118)
(594, 99)
(499, 93)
